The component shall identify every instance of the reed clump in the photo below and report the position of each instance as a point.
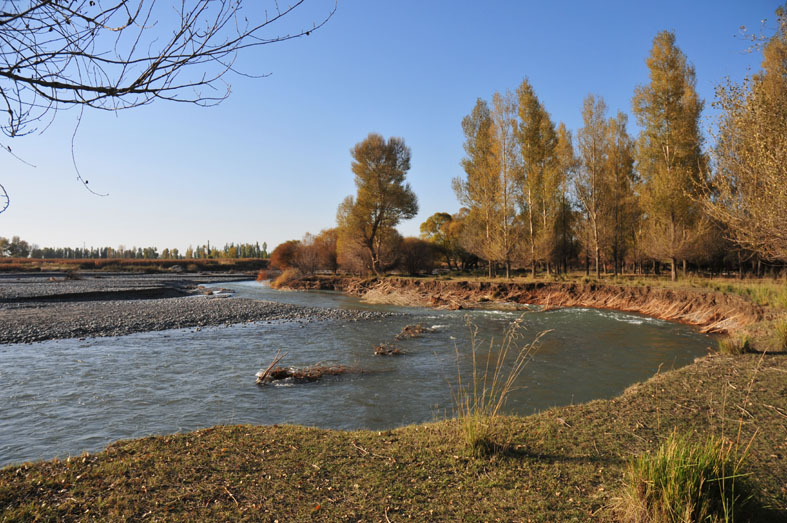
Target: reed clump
(685, 480)
(735, 345)
(780, 333)
(479, 398)
(285, 277)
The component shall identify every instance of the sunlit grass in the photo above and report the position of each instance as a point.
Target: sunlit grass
(478, 400)
(735, 345)
(685, 480)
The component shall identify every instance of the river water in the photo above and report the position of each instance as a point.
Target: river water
(63, 397)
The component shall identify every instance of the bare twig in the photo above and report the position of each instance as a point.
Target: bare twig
(261, 376)
(230, 495)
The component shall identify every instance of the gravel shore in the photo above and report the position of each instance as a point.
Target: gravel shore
(37, 309)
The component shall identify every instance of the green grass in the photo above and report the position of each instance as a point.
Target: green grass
(780, 334)
(768, 293)
(685, 480)
(735, 345)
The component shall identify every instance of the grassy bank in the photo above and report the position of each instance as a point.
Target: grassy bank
(564, 464)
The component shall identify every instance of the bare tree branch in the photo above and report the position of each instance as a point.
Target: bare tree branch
(127, 53)
(119, 54)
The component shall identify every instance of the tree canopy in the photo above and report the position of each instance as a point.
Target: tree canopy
(669, 152)
(383, 199)
(749, 187)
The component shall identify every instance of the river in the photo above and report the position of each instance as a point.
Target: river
(63, 397)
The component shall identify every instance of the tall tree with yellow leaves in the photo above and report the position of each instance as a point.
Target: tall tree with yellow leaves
(749, 191)
(383, 199)
(480, 192)
(539, 202)
(591, 181)
(504, 146)
(669, 152)
(622, 210)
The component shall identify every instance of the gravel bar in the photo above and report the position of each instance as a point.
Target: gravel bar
(26, 320)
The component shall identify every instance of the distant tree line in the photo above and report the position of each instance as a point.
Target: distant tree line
(537, 197)
(17, 248)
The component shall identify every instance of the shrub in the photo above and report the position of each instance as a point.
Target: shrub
(684, 481)
(285, 277)
(283, 256)
(735, 345)
(416, 256)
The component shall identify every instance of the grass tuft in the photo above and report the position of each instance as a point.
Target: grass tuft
(780, 332)
(479, 400)
(735, 345)
(684, 481)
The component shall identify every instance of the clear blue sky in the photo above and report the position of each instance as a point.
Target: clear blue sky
(272, 162)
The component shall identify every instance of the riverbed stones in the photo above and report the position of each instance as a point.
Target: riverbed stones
(36, 309)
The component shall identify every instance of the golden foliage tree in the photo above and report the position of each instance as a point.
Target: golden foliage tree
(623, 207)
(480, 192)
(566, 164)
(669, 151)
(590, 183)
(540, 178)
(508, 167)
(750, 183)
(367, 222)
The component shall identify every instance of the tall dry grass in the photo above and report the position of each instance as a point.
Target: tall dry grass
(480, 398)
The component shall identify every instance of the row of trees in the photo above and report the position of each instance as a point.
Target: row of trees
(536, 194)
(18, 248)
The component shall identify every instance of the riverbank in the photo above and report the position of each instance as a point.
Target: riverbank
(708, 310)
(564, 464)
(52, 306)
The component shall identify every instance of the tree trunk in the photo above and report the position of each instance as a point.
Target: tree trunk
(684, 267)
(673, 275)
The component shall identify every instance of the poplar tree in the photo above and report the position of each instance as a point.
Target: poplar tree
(590, 184)
(480, 192)
(750, 184)
(537, 141)
(566, 164)
(508, 166)
(669, 152)
(619, 170)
